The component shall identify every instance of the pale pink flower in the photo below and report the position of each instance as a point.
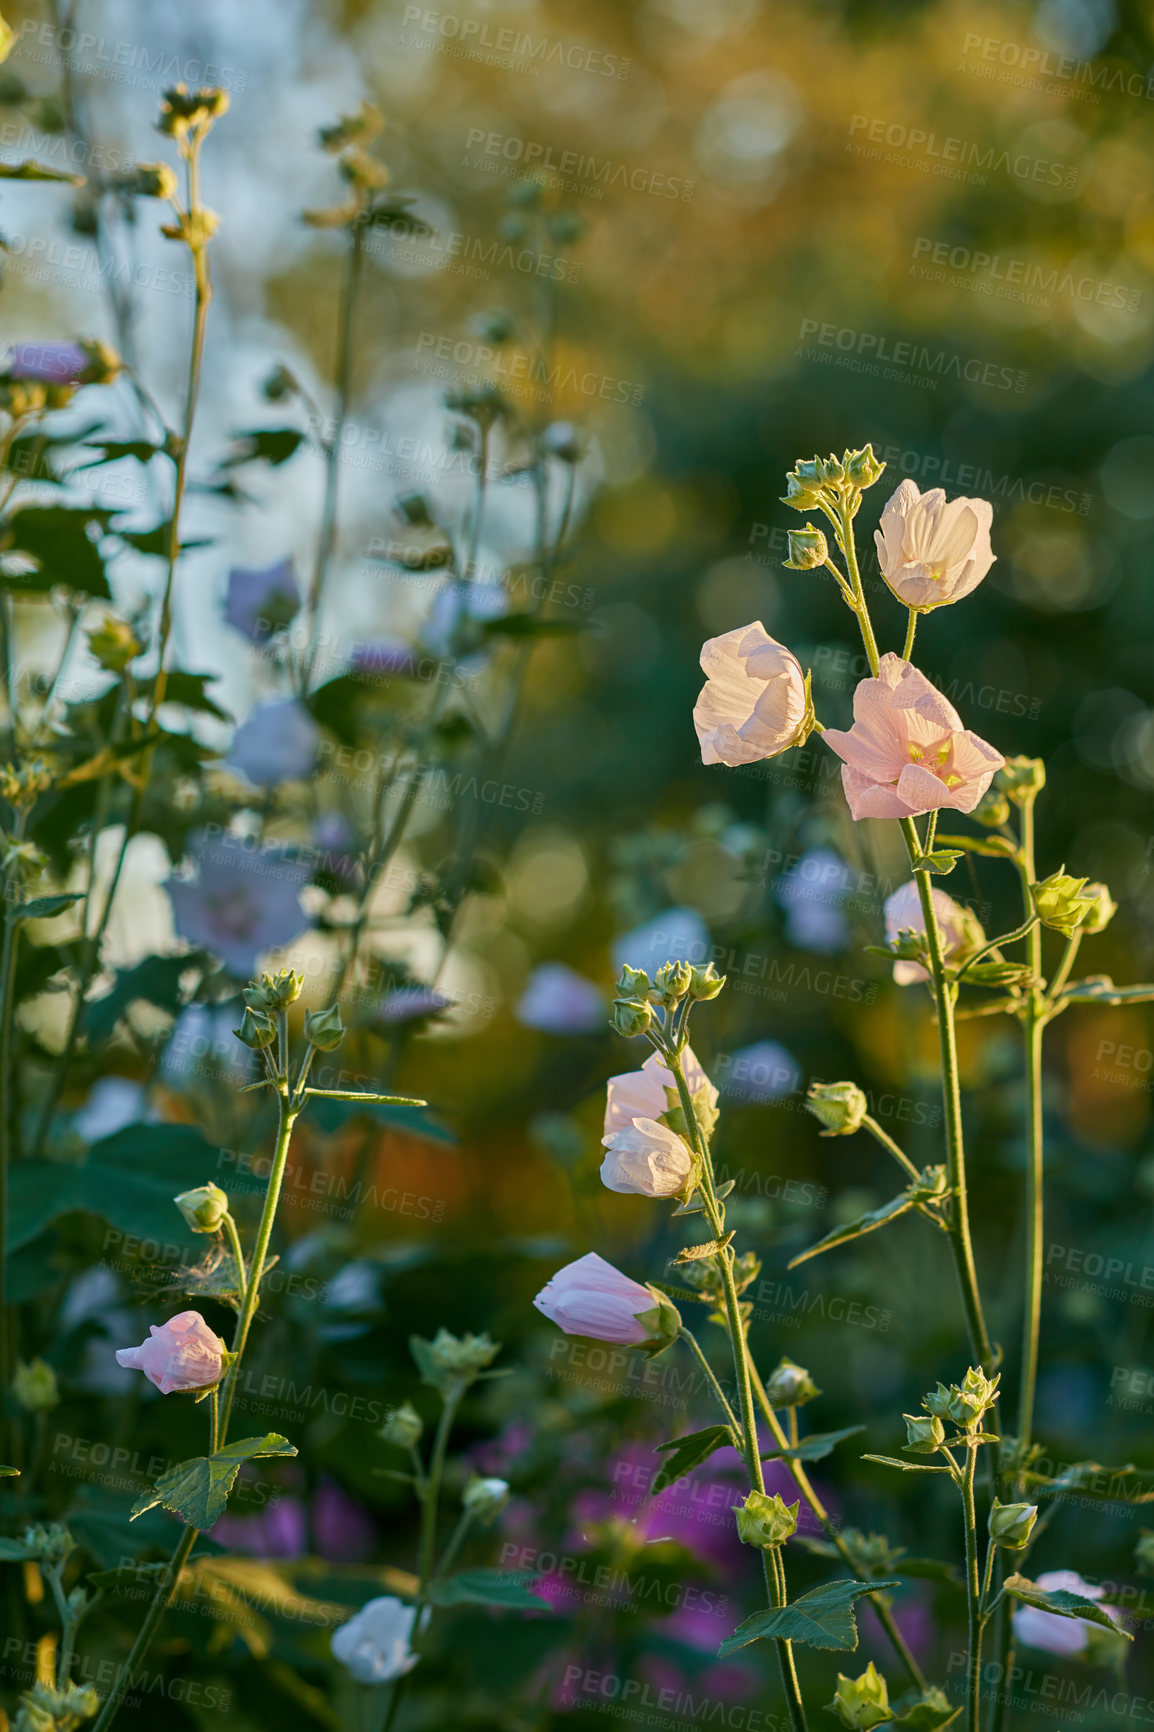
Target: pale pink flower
(591, 1297)
(907, 751)
(180, 1354)
(961, 931)
(641, 1094)
(754, 703)
(646, 1159)
(931, 552)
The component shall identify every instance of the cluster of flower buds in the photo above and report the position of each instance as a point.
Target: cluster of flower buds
(186, 115)
(1071, 904)
(34, 1386)
(637, 995)
(48, 1543)
(861, 1703)
(790, 1385)
(204, 1208)
(43, 1709)
(964, 1403)
(832, 483)
(1011, 1524)
(449, 1363)
(403, 1426)
(765, 1521)
(841, 1107)
(22, 786)
(1021, 779)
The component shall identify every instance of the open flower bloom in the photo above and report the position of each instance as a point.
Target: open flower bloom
(179, 1355)
(961, 931)
(641, 1094)
(755, 702)
(277, 743)
(646, 1159)
(931, 552)
(243, 901)
(907, 751)
(591, 1297)
(375, 1644)
(1046, 1630)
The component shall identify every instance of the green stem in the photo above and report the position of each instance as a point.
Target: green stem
(710, 1378)
(428, 1539)
(1062, 975)
(973, 1596)
(8, 956)
(143, 1642)
(908, 650)
(238, 1254)
(867, 630)
(1033, 1023)
(887, 1142)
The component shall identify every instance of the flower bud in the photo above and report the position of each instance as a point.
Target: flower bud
(1021, 779)
(403, 1426)
(155, 180)
(460, 1354)
(924, 1432)
(830, 469)
(34, 1386)
(808, 549)
(485, 1498)
(1010, 1524)
(256, 1030)
(104, 364)
(861, 1703)
(182, 110)
(49, 1543)
(634, 984)
(992, 809)
(204, 1208)
(765, 1521)
(970, 1399)
(275, 991)
(673, 980)
(630, 1019)
(324, 1028)
(938, 1402)
(706, 983)
(1062, 902)
(114, 644)
(862, 467)
(1100, 917)
(790, 1385)
(841, 1107)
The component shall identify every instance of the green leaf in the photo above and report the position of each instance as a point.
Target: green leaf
(182, 687)
(996, 846)
(815, 1447)
(929, 1187)
(925, 1710)
(508, 1588)
(11, 1551)
(1100, 989)
(690, 1451)
(156, 981)
(823, 1618)
(906, 1466)
(43, 907)
(997, 974)
(274, 445)
(940, 860)
(60, 538)
(1062, 1603)
(197, 1490)
(9, 1472)
(113, 450)
(30, 170)
(332, 1115)
(697, 1253)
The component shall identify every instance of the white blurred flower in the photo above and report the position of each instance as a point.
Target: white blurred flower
(374, 1645)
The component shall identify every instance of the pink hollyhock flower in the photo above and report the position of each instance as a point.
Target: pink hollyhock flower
(755, 702)
(180, 1354)
(961, 931)
(260, 603)
(558, 1000)
(243, 901)
(277, 743)
(643, 1094)
(591, 1297)
(907, 751)
(931, 553)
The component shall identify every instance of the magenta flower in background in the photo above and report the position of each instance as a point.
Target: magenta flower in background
(810, 893)
(907, 751)
(279, 1531)
(277, 743)
(762, 1072)
(179, 1355)
(591, 1297)
(243, 901)
(558, 1000)
(48, 363)
(259, 603)
(675, 935)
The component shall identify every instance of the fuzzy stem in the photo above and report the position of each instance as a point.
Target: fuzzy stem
(1033, 1022)
(887, 1142)
(908, 650)
(973, 1596)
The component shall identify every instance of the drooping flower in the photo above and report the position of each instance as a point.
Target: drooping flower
(375, 1644)
(907, 751)
(558, 1000)
(261, 602)
(961, 931)
(755, 702)
(243, 901)
(931, 552)
(277, 743)
(642, 1094)
(1046, 1630)
(179, 1355)
(646, 1159)
(591, 1297)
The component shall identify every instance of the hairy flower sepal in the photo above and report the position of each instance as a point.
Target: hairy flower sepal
(863, 1702)
(1064, 903)
(204, 1208)
(790, 1385)
(925, 1433)
(256, 1030)
(1011, 1524)
(631, 1018)
(274, 991)
(764, 1520)
(840, 1106)
(324, 1028)
(968, 1401)
(808, 549)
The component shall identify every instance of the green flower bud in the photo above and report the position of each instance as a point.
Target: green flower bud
(803, 489)
(841, 1107)
(34, 1386)
(992, 809)
(765, 1521)
(1101, 916)
(104, 364)
(113, 644)
(706, 983)
(969, 1400)
(862, 467)
(938, 1402)
(49, 1544)
(861, 1703)
(630, 1019)
(275, 991)
(1062, 902)
(256, 1030)
(1010, 1524)
(485, 1498)
(324, 1028)
(790, 1385)
(673, 981)
(831, 469)
(155, 180)
(634, 984)
(808, 549)
(924, 1432)
(461, 1354)
(183, 110)
(403, 1426)
(203, 1208)
(1021, 779)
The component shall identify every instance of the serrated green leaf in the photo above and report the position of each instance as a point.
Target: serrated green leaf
(60, 539)
(925, 1710)
(197, 1490)
(508, 1588)
(815, 1447)
(823, 1618)
(690, 1451)
(940, 860)
(1062, 1603)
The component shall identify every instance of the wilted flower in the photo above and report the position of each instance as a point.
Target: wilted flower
(1011, 1524)
(558, 1000)
(863, 1702)
(276, 743)
(765, 1521)
(931, 552)
(841, 1107)
(907, 751)
(961, 930)
(755, 702)
(262, 602)
(591, 1297)
(374, 1645)
(1048, 1631)
(203, 1208)
(647, 1159)
(244, 900)
(648, 1092)
(182, 1354)
(485, 1498)
(34, 1386)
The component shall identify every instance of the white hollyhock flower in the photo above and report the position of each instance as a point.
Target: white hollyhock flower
(646, 1158)
(374, 1644)
(755, 702)
(930, 551)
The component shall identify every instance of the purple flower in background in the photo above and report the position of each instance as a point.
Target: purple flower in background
(811, 893)
(762, 1072)
(48, 363)
(280, 1531)
(277, 743)
(676, 935)
(385, 655)
(558, 1000)
(244, 900)
(410, 1002)
(342, 1529)
(261, 602)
